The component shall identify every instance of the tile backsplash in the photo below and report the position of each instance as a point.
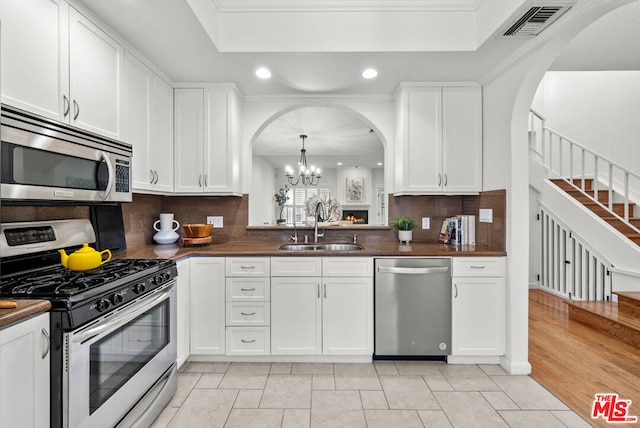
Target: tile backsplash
(144, 210)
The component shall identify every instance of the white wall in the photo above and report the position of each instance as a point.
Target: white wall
(598, 109)
(263, 189)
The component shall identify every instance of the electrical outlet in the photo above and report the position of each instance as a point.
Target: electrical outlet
(216, 221)
(426, 222)
(486, 215)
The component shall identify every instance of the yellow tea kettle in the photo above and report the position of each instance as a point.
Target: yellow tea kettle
(86, 258)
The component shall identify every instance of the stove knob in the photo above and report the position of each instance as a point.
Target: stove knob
(139, 288)
(117, 298)
(158, 279)
(166, 276)
(102, 305)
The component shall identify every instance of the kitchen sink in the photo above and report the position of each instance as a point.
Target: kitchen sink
(321, 247)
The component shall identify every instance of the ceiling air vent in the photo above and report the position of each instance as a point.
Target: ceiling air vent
(534, 21)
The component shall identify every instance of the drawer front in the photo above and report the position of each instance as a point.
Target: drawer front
(347, 266)
(248, 289)
(248, 341)
(296, 266)
(247, 266)
(478, 266)
(250, 313)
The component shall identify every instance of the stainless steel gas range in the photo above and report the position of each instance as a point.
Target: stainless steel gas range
(113, 329)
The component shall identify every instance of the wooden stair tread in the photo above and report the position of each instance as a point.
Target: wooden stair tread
(608, 310)
(629, 301)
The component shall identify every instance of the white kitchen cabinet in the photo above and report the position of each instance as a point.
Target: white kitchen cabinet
(206, 140)
(57, 63)
(439, 135)
(347, 316)
(148, 117)
(330, 314)
(24, 370)
(248, 308)
(207, 318)
(32, 44)
(95, 78)
(296, 315)
(478, 306)
(182, 319)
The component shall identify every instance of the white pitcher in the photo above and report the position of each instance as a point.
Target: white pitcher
(167, 233)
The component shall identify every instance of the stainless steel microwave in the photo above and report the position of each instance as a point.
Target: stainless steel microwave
(43, 160)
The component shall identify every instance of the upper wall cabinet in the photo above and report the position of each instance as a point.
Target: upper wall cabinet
(206, 147)
(148, 119)
(438, 140)
(57, 63)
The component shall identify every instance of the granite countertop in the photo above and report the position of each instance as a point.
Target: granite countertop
(271, 248)
(26, 309)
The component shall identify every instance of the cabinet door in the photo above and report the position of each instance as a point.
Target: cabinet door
(347, 316)
(422, 151)
(296, 316)
(95, 64)
(462, 139)
(217, 167)
(24, 370)
(182, 319)
(162, 134)
(138, 121)
(189, 139)
(207, 305)
(33, 40)
(478, 316)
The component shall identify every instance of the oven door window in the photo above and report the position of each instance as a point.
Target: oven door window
(35, 167)
(121, 354)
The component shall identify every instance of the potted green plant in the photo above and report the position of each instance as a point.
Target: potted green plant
(281, 199)
(404, 226)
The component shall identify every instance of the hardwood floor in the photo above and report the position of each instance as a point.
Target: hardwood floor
(574, 362)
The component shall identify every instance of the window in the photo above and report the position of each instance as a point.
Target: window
(295, 206)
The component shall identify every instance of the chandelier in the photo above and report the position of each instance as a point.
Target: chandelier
(307, 175)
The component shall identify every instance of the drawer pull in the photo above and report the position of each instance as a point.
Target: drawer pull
(247, 341)
(248, 289)
(247, 267)
(247, 314)
(477, 267)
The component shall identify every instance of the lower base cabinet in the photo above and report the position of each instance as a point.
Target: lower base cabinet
(207, 305)
(478, 307)
(248, 340)
(24, 373)
(323, 315)
(347, 316)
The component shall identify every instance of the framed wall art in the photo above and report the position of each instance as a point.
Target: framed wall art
(355, 189)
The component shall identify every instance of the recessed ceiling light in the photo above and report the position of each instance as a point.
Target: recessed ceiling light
(339, 163)
(370, 73)
(263, 73)
(379, 163)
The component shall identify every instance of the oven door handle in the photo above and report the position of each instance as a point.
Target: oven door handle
(118, 321)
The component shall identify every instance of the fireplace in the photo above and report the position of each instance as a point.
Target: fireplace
(357, 216)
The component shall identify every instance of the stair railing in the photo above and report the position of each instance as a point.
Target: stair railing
(569, 266)
(572, 162)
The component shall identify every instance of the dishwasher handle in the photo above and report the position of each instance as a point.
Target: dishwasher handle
(413, 270)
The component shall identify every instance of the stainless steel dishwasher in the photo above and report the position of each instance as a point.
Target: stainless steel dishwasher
(412, 307)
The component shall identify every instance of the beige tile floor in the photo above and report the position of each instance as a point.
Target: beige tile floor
(382, 394)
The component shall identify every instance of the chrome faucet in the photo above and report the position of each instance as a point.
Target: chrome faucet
(317, 235)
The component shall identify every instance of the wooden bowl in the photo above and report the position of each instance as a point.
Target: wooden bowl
(197, 230)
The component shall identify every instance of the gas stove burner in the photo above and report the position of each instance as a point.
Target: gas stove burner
(57, 282)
